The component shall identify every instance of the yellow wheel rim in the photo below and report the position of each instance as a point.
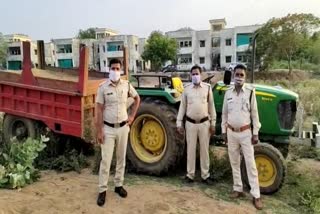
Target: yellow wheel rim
(148, 138)
(267, 170)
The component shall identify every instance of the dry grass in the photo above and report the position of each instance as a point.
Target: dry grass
(303, 83)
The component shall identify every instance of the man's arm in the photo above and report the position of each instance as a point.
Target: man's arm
(182, 109)
(211, 108)
(224, 115)
(133, 93)
(254, 114)
(99, 115)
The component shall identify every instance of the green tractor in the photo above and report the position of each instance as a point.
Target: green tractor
(155, 147)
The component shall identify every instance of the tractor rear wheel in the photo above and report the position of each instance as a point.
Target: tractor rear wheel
(154, 145)
(271, 168)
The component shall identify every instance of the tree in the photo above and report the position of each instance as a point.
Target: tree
(3, 50)
(286, 38)
(90, 33)
(314, 51)
(159, 49)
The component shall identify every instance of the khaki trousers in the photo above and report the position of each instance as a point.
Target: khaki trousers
(237, 141)
(112, 136)
(193, 132)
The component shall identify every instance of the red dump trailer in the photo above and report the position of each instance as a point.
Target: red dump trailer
(62, 100)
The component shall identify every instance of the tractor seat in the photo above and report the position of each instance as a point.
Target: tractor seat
(178, 85)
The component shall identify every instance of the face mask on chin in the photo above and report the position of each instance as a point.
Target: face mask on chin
(114, 75)
(196, 79)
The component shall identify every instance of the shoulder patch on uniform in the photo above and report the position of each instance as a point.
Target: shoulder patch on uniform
(104, 82)
(187, 85)
(230, 87)
(249, 87)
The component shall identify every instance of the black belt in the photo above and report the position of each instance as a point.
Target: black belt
(115, 125)
(197, 121)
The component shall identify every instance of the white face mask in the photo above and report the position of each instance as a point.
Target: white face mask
(114, 75)
(196, 79)
(239, 80)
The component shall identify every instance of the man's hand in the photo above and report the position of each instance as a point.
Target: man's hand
(130, 120)
(255, 139)
(180, 130)
(100, 137)
(212, 130)
(224, 137)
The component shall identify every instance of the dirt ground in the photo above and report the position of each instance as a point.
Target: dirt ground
(76, 193)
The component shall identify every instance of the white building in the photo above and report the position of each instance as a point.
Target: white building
(66, 52)
(16, 37)
(112, 47)
(105, 32)
(15, 55)
(217, 47)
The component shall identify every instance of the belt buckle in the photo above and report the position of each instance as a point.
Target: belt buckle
(197, 121)
(117, 125)
(237, 129)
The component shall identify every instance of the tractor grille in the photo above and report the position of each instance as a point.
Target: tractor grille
(287, 113)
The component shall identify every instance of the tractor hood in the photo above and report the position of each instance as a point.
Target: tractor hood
(273, 91)
(267, 91)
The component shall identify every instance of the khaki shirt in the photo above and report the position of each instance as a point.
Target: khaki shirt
(114, 98)
(197, 103)
(237, 110)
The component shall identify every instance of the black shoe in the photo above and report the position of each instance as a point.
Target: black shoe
(208, 181)
(188, 180)
(121, 191)
(101, 198)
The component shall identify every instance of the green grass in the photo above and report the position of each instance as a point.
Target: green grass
(296, 65)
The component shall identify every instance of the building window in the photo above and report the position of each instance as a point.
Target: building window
(228, 42)
(104, 63)
(185, 44)
(202, 60)
(98, 49)
(114, 47)
(215, 42)
(185, 59)
(14, 51)
(250, 40)
(64, 48)
(216, 27)
(104, 48)
(202, 43)
(35, 51)
(239, 58)
(136, 47)
(228, 59)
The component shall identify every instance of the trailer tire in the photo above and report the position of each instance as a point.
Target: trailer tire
(271, 168)
(19, 127)
(154, 145)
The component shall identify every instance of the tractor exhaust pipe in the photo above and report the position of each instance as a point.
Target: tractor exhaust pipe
(253, 57)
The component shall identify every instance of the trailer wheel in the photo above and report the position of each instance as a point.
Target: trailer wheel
(154, 146)
(271, 168)
(18, 127)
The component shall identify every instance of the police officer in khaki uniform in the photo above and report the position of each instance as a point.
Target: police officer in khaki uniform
(239, 113)
(198, 108)
(113, 127)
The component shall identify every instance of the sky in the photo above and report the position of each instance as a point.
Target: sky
(43, 19)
